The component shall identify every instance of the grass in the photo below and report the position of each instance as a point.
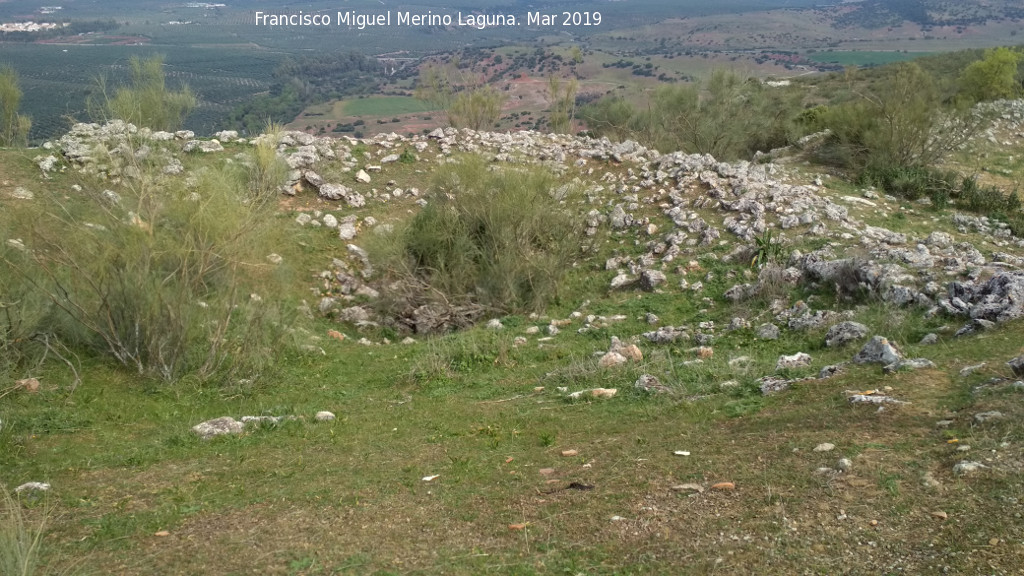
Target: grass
(137, 493)
(386, 106)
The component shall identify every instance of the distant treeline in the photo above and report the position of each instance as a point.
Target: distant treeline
(882, 13)
(300, 82)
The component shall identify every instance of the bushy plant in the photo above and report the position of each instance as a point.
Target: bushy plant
(267, 170)
(14, 127)
(492, 241)
(729, 117)
(146, 100)
(166, 277)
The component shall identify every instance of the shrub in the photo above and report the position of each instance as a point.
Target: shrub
(729, 117)
(267, 171)
(899, 123)
(146, 101)
(14, 127)
(492, 241)
(164, 277)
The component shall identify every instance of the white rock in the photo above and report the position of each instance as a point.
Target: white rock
(363, 177)
(324, 416)
(824, 447)
(33, 487)
(218, 427)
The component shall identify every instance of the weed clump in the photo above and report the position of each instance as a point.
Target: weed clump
(488, 241)
(168, 277)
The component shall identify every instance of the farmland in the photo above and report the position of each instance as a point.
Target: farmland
(226, 59)
(865, 58)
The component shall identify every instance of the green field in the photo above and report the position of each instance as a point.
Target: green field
(386, 106)
(858, 58)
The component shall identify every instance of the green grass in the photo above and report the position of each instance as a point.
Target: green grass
(486, 416)
(386, 106)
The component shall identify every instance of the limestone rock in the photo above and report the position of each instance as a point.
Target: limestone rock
(798, 360)
(844, 333)
(878, 351)
(218, 427)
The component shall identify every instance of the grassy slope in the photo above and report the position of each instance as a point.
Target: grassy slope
(348, 496)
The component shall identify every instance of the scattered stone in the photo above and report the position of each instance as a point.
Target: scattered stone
(872, 398)
(596, 393)
(610, 360)
(966, 467)
(274, 258)
(768, 332)
(844, 333)
(33, 487)
(693, 488)
(363, 177)
(621, 281)
(844, 465)
(824, 447)
(347, 230)
(968, 370)
(494, 324)
(829, 371)
(929, 339)
(519, 341)
(324, 416)
(798, 360)
(570, 453)
(648, 383)
(909, 364)
(878, 350)
(1017, 365)
(928, 481)
(218, 427)
(983, 417)
(650, 279)
(667, 335)
(773, 384)
(723, 486)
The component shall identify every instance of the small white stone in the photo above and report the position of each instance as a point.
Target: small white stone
(824, 447)
(324, 416)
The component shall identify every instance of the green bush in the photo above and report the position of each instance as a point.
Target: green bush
(897, 123)
(14, 127)
(166, 277)
(488, 241)
(146, 101)
(729, 117)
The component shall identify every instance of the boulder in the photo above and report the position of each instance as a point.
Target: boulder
(844, 333)
(218, 427)
(878, 351)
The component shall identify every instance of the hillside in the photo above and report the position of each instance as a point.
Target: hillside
(746, 368)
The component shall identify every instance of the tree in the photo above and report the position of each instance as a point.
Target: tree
(562, 96)
(900, 123)
(994, 77)
(147, 101)
(14, 127)
(468, 103)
